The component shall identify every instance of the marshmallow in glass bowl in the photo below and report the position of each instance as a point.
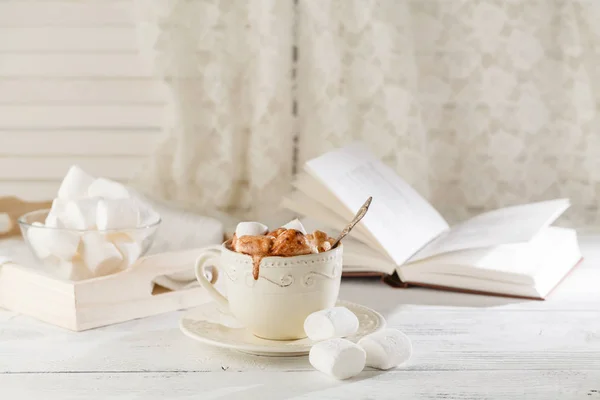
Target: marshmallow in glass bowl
(95, 227)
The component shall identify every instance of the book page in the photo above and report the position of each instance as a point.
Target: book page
(360, 257)
(515, 224)
(399, 218)
(328, 203)
(528, 269)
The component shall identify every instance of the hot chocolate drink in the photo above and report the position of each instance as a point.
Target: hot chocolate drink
(282, 242)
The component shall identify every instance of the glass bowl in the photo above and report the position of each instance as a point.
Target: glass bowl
(82, 254)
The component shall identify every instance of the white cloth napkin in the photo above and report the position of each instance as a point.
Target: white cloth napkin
(181, 230)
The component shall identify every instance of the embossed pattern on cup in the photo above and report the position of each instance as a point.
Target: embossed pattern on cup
(287, 291)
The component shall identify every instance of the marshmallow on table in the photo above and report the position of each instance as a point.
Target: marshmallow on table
(250, 228)
(330, 323)
(295, 224)
(79, 214)
(117, 214)
(108, 189)
(338, 357)
(47, 242)
(101, 257)
(386, 349)
(75, 184)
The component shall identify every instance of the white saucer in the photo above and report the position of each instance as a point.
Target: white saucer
(209, 325)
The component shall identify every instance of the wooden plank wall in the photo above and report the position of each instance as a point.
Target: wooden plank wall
(73, 89)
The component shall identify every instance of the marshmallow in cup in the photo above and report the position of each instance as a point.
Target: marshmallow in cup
(295, 224)
(339, 358)
(250, 228)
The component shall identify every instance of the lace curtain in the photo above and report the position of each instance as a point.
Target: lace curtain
(478, 104)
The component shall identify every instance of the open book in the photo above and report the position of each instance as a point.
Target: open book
(511, 251)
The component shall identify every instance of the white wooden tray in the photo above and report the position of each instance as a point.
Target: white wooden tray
(100, 301)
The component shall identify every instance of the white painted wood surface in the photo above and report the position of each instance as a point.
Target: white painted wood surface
(465, 347)
(72, 85)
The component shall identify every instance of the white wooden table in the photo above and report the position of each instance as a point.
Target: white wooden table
(465, 347)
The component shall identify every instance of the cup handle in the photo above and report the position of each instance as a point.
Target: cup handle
(202, 261)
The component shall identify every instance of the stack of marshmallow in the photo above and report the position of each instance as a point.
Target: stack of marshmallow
(96, 221)
(344, 359)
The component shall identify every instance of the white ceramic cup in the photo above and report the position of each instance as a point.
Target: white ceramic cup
(288, 289)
